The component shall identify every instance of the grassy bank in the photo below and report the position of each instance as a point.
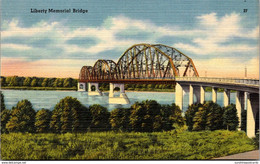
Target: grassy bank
(37, 88)
(109, 145)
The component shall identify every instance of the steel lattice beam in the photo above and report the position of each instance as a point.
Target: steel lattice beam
(142, 62)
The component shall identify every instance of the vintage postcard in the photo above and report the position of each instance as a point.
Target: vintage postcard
(129, 80)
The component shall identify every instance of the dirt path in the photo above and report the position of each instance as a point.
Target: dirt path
(247, 155)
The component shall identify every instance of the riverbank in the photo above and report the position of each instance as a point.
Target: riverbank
(39, 88)
(75, 89)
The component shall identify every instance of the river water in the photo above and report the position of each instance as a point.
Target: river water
(48, 99)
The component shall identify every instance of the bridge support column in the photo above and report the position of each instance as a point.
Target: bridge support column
(179, 95)
(111, 90)
(202, 94)
(196, 91)
(199, 92)
(122, 99)
(239, 106)
(214, 94)
(96, 91)
(191, 95)
(226, 97)
(252, 108)
(81, 87)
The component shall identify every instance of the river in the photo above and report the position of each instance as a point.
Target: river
(48, 99)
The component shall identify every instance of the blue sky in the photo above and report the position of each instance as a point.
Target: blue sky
(216, 34)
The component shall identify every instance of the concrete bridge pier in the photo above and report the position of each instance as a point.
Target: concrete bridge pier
(122, 99)
(191, 95)
(199, 92)
(82, 87)
(93, 89)
(252, 108)
(240, 105)
(214, 94)
(226, 97)
(179, 95)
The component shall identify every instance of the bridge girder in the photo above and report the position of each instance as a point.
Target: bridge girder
(104, 70)
(85, 72)
(143, 61)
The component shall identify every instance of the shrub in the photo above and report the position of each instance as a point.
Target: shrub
(171, 117)
(69, 115)
(143, 115)
(100, 118)
(190, 113)
(2, 101)
(230, 117)
(119, 119)
(5, 117)
(42, 121)
(214, 116)
(22, 118)
(200, 119)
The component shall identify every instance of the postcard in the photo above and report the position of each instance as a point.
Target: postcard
(129, 80)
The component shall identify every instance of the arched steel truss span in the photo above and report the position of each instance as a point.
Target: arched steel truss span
(142, 62)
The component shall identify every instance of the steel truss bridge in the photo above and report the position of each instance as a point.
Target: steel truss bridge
(141, 63)
(157, 63)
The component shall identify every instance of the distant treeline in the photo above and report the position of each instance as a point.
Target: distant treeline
(141, 87)
(38, 83)
(16, 81)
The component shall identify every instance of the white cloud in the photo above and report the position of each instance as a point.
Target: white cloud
(212, 36)
(16, 46)
(218, 32)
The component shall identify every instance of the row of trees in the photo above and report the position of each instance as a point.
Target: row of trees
(211, 116)
(105, 86)
(69, 115)
(38, 82)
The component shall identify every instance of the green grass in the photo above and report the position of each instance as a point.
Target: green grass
(110, 145)
(37, 88)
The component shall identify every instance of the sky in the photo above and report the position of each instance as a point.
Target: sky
(218, 35)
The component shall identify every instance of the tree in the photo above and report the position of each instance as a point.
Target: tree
(119, 119)
(2, 101)
(27, 81)
(51, 82)
(214, 116)
(176, 116)
(200, 119)
(20, 81)
(243, 120)
(58, 82)
(143, 116)
(5, 117)
(34, 82)
(39, 81)
(190, 113)
(45, 82)
(22, 118)
(13, 81)
(74, 83)
(42, 120)
(67, 82)
(230, 117)
(100, 118)
(69, 115)
(171, 117)
(3, 81)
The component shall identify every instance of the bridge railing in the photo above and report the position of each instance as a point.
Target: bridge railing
(253, 82)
